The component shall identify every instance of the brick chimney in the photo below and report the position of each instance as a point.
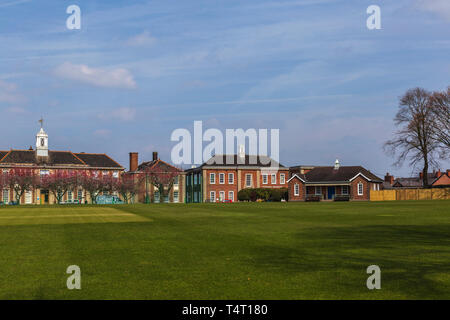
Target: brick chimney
(133, 161)
(155, 155)
(438, 174)
(421, 175)
(389, 178)
(448, 172)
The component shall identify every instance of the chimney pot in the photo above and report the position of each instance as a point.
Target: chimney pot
(133, 161)
(155, 155)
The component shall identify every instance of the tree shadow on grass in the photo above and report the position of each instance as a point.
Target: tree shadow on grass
(413, 259)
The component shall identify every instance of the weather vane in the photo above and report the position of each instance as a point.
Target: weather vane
(41, 122)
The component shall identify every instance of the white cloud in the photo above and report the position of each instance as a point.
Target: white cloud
(8, 93)
(141, 40)
(123, 114)
(101, 77)
(13, 3)
(103, 133)
(440, 7)
(17, 110)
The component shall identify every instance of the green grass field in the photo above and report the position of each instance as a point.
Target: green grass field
(227, 251)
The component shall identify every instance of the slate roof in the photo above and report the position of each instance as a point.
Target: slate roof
(413, 182)
(98, 160)
(164, 166)
(57, 158)
(343, 174)
(237, 161)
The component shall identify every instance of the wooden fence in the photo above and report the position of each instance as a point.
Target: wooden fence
(410, 194)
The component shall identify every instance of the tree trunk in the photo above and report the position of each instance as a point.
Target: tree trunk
(425, 173)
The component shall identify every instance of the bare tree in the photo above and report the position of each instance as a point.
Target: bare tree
(415, 138)
(440, 106)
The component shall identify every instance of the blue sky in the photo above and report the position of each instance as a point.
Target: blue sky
(137, 70)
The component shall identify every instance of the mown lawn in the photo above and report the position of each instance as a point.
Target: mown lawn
(227, 251)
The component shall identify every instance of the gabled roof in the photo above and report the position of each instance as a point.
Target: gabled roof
(57, 158)
(331, 175)
(99, 160)
(162, 165)
(3, 154)
(413, 182)
(299, 176)
(344, 173)
(233, 160)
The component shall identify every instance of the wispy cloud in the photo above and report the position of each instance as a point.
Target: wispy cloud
(101, 77)
(9, 93)
(439, 7)
(13, 3)
(141, 40)
(102, 133)
(17, 110)
(123, 114)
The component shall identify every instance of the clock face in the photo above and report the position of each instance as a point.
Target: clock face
(42, 142)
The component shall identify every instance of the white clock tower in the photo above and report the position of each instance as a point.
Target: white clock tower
(42, 142)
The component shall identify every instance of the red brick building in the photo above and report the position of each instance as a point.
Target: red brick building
(326, 183)
(147, 191)
(435, 179)
(43, 161)
(223, 176)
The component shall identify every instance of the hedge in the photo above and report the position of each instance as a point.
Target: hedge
(262, 194)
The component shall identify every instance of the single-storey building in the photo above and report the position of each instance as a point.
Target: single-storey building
(326, 183)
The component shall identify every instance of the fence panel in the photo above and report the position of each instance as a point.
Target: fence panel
(410, 194)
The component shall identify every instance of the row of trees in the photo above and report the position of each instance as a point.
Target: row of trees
(60, 182)
(22, 180)
(423, 136)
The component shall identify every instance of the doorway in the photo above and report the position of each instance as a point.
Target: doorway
(331, 192)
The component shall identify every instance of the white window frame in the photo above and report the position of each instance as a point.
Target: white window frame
(176, 197)
(44, 172)
(360, 189)
(248, 185)
(296, 189)
(221, 195)
(273, 178)
(222, 178)
(212, 196)
(342, 190)
(115, 174)
(231, 195)
(176, 180)
(231, 181)
(5, 196)
(212, 178)
(265, 179)
(70, 195)
(318, 193)
(282, 178)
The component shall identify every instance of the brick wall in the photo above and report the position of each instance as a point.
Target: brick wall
(354, 189)
(291, 189)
